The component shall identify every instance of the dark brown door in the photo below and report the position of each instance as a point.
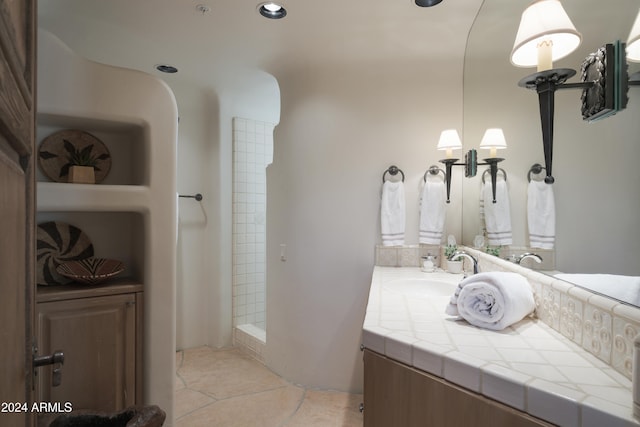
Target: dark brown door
(17, 207)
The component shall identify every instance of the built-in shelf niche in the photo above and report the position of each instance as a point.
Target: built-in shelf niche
(116, 235)
(127, 142)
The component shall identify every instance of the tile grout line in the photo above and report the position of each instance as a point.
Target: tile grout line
(295, 411)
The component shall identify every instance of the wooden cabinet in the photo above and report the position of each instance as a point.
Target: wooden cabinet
(99, 329)
(398, 395)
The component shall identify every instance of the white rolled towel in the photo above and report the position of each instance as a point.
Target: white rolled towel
(493, 300)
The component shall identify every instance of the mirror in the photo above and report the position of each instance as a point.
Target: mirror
(595, 164)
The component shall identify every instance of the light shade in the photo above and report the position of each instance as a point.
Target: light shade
(449, 140)
(544, 20)
(633, 42)
(493, 140)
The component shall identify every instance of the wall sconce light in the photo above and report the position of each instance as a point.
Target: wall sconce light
(493, 140)
(450, 140)
(545, 34)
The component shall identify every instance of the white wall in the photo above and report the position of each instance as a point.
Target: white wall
(204, 313)
(197, 134)
(341, 128)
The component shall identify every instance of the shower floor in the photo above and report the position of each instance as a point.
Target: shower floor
(229, 388)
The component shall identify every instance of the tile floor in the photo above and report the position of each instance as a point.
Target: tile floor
(228, 388)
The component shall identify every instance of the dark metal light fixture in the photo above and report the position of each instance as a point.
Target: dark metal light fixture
(545, 34)
(272, 10)
(427, 3)
(450, 140)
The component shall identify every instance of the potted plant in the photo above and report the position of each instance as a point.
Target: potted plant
(450, 250)
(452, 266)
(495, 251)
(81, 164)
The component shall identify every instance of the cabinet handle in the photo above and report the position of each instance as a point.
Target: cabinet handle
(361, 407)
(57, 359)
(130, 303)
(51, 359)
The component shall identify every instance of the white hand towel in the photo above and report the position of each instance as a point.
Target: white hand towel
(541, 215)
(392, 213)
(432, 211)
(497, 216)
(493, 300)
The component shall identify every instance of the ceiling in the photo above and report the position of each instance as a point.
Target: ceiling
(214, 48)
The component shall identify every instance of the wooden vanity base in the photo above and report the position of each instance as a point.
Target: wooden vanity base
(399, 395)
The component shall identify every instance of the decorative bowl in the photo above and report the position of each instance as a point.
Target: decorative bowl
(90, 270)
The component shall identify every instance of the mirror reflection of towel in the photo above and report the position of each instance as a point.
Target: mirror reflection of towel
(432, 211)
(541, 215)
(392, 213)
(497, 216)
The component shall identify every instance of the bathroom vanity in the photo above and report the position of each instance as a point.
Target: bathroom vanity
(423, 367)
(399, 395)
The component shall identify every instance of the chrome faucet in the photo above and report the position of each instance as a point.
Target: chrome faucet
(526, 255)
(462, 254)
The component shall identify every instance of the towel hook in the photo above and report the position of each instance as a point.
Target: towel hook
(535, 169)
(489, 171)
(393, 171)
(434, 170)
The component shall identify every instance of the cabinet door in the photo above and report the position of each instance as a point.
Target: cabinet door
(398, 395)
(98, 338)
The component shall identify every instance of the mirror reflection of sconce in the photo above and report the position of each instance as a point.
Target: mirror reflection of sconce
(545, 34)
(493, 140)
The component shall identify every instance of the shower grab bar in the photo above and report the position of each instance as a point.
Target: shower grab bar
(489, 171)
(393, 171)
(434, 170)
(196, 196)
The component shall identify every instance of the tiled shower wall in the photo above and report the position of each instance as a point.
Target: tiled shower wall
(252, 152)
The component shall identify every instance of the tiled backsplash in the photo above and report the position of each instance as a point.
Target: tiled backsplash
(602, 326)
(409, 256)
(405, 256)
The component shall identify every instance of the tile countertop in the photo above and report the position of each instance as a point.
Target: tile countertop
(528, 366)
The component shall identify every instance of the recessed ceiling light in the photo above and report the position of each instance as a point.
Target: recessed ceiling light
(272, 10)
(164, 68)
(427, 3)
